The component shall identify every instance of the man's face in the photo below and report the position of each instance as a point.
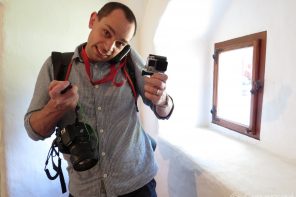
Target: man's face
(108, 35)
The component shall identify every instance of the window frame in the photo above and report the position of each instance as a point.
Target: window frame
(258, 41)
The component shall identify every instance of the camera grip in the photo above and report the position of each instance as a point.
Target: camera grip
(146, 73)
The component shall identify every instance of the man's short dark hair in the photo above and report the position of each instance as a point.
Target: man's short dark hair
(109, 7)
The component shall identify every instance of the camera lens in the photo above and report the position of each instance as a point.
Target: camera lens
(80, 142)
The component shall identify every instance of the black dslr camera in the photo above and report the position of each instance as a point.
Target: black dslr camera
(155, 63)
(80, 141)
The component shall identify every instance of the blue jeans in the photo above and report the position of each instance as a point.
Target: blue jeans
(147, 190)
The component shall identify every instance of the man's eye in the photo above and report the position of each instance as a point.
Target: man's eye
(120, 44)
(106, 33)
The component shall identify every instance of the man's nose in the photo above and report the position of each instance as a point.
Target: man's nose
(109, 46)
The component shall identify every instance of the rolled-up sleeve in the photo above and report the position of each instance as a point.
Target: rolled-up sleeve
(40, 97)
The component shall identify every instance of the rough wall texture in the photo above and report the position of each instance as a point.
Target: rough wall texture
(2, 158)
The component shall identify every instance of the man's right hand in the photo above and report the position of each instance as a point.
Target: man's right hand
(44, 121)
(63, 100)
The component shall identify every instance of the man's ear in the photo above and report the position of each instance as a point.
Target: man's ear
(92, 20)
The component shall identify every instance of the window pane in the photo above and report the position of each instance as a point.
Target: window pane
(234, 85)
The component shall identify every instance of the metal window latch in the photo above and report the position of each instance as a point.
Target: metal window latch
(257, 85)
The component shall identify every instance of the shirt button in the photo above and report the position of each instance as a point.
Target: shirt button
(97, 86)
(105, 175)
(103, 153)
(99, 108)
(101, 130)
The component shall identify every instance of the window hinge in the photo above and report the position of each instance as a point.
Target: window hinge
(250, 131)
(215, 55)
(214, 113)
(257, 85)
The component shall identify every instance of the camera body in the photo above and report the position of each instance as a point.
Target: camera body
(155, 63)
(80, 141)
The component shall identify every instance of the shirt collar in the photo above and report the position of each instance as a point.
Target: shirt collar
(76, 55)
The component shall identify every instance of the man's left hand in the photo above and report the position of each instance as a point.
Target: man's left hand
(154, 87)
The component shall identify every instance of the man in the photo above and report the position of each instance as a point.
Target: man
(126, 165)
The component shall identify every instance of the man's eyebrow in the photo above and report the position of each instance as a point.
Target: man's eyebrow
(114, 32)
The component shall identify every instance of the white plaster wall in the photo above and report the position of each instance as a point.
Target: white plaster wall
(276, 17)
(233, 163)
(2, 169)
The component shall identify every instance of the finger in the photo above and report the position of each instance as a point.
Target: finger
(65, 104)
(69, 95)
(66, 89)
(153, 90)
(68, 100)
(155, 82)
(160, 76)
(72, 100)
(52, 84)
(56, 87)
(152, 97)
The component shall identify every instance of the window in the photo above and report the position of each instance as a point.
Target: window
(238, 83)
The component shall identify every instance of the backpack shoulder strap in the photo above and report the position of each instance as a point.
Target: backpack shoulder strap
(129, 71)
(130, 67)
(60, 62)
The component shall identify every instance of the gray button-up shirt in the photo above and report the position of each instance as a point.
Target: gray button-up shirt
(126, 160)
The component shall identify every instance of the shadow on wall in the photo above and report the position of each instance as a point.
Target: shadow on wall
(186, 178)
(181, 175)
(2, 163)
(273, 108)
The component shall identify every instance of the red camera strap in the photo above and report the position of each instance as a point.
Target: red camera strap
(111, 76)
